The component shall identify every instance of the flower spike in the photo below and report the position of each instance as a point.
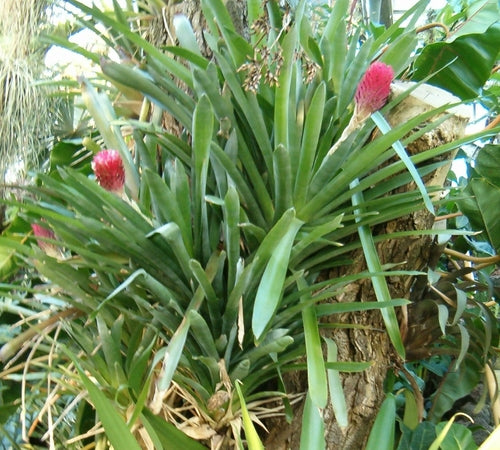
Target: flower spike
(109, 171)
(371, 95)
(373, 89)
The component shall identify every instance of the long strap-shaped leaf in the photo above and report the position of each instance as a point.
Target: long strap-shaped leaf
(384, 127)
(313, 427)
(203, 123)
(282, 101)
(337, 397)
(379, 282)
(316, 372)
(271, 285)
(117, 430)
(176, 345)
(382, 433)
(253, 439)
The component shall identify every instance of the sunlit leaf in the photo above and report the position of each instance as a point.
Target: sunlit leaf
(382, 433)
(337, 397)
(313, 427)
(253, 439)
(462, 66)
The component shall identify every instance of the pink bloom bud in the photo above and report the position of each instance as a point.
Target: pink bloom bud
(42, 232)
(108, 168)
(373, 89)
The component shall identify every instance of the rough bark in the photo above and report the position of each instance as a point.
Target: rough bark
(369, 341)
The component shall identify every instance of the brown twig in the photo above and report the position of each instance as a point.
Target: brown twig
(443, 296)
(475, 259)
(493, 123)
(448, 216)
(434, 25)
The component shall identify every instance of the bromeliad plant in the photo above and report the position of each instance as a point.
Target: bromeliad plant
(189, 261)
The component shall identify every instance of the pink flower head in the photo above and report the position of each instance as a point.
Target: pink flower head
(108, 168)
(42, 232)
(373, 89)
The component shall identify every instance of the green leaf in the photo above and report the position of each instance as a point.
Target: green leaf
(379, 283)
(458, 437)
(325, 189)
(157, 55)
(310, 138)
(272, 283)
(487, 196)
(238, 47)
(114, 424)
(171, 359)
(203, 334)
(313, 427)
(275, 342)
(464, 344)
(111, 349)
(326, 309)
(384, 127)
(205, 278)
(203, 127)
(247, 196)
(455, 385)
(161, 292)
(172, 233)
(283, 181)
(142, 82)
(462, 66)
(481, 14)
(253, 439)
(420, 438)
(68, 154)
(400, 52)
(310, 236)
(282, 100)
(166, 208)
(452, 436)
(255, 10)
(335, 35)
(382, 433)
(167, 434)
(316, 374)
(231, 210)
(337, 397)
(461, 297)
(185, 34)
(487, 163)
(410, 418)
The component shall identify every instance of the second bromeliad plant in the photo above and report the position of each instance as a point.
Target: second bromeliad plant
(195, 257)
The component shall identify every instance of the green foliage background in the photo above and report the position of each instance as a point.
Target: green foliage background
(189, 300)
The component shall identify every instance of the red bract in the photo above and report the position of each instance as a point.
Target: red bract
(373, 89)
(42, 232)
(108, 168)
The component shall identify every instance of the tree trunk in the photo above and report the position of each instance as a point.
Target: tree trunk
(364, 391)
